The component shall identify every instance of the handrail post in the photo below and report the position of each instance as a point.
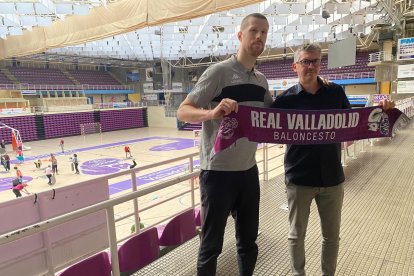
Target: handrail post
(110, 218)
(192, 183)
(354, 153)
(344, 148)
(264, 147)
(267, 162)
(136, 210)
(47, 243)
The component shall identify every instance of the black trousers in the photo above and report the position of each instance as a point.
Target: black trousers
(223, 193)
(17, 193)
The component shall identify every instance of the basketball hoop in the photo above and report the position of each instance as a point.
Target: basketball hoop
(16, 139)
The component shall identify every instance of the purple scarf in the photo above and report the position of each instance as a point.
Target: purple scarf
(287, 126)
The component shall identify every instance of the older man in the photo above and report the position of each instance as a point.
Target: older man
(313, 171)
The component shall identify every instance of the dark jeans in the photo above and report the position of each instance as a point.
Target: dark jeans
(54, 169)
(223, 193)
(49, 176)
(17, 193)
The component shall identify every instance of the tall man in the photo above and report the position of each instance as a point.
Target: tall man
(313, 171)
(229, 181)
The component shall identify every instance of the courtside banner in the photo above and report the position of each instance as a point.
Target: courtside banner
(287, 126)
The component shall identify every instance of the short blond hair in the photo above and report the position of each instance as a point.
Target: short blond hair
(254, 15)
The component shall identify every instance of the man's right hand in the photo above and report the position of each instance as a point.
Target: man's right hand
(225, 107)
(189, 112)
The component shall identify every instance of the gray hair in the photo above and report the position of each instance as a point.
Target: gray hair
(308, 47)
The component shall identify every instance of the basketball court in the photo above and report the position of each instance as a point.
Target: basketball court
(103, 154)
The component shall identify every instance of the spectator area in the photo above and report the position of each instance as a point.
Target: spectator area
(4, 79)
(282, 69)
(93, 77)
(39, 76)
(42, 76)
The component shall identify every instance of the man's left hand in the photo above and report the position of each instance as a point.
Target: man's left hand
(386, 104)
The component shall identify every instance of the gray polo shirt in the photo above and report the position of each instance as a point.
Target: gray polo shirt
(228, 79)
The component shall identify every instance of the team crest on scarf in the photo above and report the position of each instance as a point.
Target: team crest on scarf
(378, 120)
(227, 127)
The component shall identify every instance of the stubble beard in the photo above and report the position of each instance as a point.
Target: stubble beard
(309, 77)
(256, 50)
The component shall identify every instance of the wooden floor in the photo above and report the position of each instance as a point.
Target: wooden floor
(109, 145)
(377, 226)
(104, 154)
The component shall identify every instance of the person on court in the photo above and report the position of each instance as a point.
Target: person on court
(75, 162)
(15, 190)
(7, 162)
(229, 181)
(62, 145)
(3, 162)
(3, 145)
(20, 156)
(19, 174)
(54, 164)
(127, 151)
(38, 163)
(49, 173)
(21, 187)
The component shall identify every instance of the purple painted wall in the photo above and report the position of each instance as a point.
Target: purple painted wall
(65, 124)
(24, 124)
(123, 119)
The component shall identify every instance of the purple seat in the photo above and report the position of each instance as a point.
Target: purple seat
(139, 251)
(198, 217)
(96, 265)
(178, 230)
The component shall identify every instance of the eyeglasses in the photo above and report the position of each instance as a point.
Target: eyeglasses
(307, 62)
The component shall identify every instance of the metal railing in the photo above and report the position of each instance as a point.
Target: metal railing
(171, 113)
(265, 155)
(118, 105)
(154, 102)
(110, 204)
(133, 195)
(406, 106)
(45, 109)
(65, 87)
(350, 75)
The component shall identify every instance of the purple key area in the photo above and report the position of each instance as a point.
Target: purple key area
(105, 166)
